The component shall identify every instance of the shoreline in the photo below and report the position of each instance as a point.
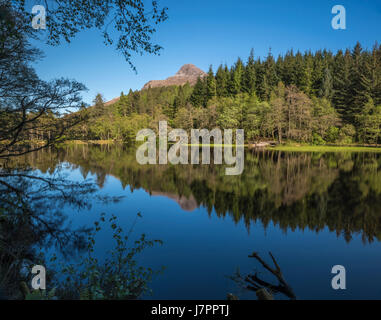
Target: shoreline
(283, 147)
(326, 148)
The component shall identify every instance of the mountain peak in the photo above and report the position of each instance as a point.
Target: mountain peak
(188, 73)
(189, 70)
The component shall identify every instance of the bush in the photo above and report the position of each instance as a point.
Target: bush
(118, 277)
(347, 134)
(317, 139)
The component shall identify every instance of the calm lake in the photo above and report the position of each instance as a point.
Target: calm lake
(311, 210)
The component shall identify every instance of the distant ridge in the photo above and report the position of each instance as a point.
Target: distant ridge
(188, 73)
(108, 103)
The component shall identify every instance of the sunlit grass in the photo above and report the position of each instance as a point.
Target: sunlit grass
(216, 145)
(309, 148)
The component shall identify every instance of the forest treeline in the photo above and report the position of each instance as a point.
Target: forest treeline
(313, 97)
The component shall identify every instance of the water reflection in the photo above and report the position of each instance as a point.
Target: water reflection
(340, 191)
(32, 217)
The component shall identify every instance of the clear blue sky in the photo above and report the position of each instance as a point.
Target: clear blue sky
(205, 32)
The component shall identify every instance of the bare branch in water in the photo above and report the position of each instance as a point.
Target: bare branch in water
(263, 289)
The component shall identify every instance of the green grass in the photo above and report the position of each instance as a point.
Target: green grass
(292, 147)
(215, 145)
(76, 142)
(309, 148)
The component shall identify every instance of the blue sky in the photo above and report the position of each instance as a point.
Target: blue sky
(212, 32)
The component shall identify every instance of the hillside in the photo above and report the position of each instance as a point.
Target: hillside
(188, 73)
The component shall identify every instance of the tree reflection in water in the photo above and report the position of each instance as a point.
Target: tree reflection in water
(338, 191)
(32, 217)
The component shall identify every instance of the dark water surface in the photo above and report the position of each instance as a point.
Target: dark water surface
(311, 210)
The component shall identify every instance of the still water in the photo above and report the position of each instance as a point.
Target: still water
(311, 210)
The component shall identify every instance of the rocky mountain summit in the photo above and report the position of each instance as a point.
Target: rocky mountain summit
(187, 73)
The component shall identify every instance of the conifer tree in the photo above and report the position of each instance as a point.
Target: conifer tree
(235, 84)
(222, 77)
(175, 107)
(99, 106)
(279, 67)
(360, 85)
(326, 90)
(288, 69)
(211, 89)
(124, 106)
(249, 75)
(318, 73)
(198, 96)
(375, 63)
(262, 85)
(341, 81)
(270, 72)
(305, 81)
(297, 70)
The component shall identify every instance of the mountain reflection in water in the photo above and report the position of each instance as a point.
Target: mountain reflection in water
(340, 191)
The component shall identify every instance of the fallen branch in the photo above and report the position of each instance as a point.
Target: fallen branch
(255, 283)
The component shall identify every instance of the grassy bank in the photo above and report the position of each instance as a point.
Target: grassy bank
(291, 147)
(215, 145)
(310, 148)
(99, 142)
